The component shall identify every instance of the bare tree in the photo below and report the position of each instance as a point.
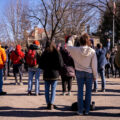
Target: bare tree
(15, 21)
(62, 16)
(106, 5)
(4, 34)
(78, 16)
(102, 5)
(50, 15)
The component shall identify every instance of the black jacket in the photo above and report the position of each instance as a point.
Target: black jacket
(69, 67)
(51, 63)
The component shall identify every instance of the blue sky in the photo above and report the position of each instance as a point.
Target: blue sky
(4, 3)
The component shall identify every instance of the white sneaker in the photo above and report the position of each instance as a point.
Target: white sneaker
(69, 93)
(79, 113)
(86, 113)
(36, 94)
(21, 83)
(63, 93)
(16, 83)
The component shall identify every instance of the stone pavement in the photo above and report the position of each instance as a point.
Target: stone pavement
(16, 105)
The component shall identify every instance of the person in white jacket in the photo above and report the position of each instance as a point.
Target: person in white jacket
(86, 70)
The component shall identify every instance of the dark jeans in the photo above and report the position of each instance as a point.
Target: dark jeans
(17, 68)
(84, 78)
(5, 71)
(1, 79)
(8, 67)
(117, 71)
(66, 81)
(107, 72)
(112, 69)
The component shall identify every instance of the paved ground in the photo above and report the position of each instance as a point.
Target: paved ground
(18, 106)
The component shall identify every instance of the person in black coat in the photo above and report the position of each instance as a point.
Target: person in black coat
(68, 71)
(108, 65)
(51, 63)
(112, 59)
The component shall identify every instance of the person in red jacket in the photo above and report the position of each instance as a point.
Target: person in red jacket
(17, 58)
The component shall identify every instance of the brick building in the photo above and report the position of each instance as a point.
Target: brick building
(36, 34)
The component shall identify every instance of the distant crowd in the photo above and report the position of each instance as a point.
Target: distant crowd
(77, 59)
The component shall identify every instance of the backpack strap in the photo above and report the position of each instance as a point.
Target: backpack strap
(21, 59)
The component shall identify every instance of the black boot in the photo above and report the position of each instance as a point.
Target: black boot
(3, 93)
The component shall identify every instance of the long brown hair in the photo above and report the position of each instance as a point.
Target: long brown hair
(50, 46)
(85, 40)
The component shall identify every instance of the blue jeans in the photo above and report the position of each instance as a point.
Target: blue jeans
(1, 79)
(50, 97)
(84, 78)
(31, 73)
(102, 75)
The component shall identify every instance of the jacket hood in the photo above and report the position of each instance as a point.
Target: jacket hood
(85, 50)
(36, 42)
(18, 47)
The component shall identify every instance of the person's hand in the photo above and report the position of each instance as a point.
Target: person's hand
(108, 40)
(94, 79)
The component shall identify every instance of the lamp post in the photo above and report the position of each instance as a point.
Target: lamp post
(114, 10)
(113, 30)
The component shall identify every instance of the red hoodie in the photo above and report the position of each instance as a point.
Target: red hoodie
(17, 55)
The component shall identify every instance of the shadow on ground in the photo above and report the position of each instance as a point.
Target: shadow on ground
(64, 111)
(113, 90)
(35, 112)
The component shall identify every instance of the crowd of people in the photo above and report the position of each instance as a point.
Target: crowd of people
(78, 58)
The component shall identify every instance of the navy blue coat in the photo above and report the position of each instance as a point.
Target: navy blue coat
(101, 58)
